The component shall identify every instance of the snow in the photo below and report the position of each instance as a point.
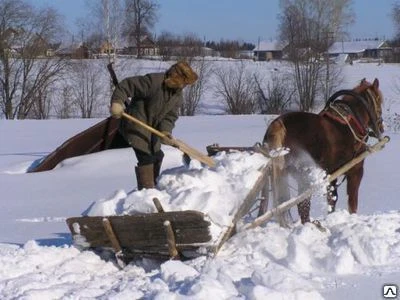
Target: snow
(353, 258)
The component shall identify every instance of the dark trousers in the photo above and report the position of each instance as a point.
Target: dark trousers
(144, 158)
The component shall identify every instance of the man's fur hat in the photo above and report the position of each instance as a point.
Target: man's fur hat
(179, 75)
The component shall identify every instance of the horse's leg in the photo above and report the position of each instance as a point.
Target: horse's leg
(332, 196)
(303, 208)
(354, 177)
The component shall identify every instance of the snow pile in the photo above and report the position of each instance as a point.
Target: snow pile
(217, 192)
(268, 262)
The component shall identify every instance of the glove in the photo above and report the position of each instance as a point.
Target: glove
(116, 110)
(167, 140)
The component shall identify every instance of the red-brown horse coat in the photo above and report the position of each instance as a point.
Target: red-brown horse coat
(329, 143)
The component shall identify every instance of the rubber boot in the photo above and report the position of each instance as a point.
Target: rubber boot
(145, 176)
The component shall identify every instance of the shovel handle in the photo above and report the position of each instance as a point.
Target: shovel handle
(141, 123)
(193, 153)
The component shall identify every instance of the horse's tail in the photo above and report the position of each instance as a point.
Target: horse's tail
(275, 139)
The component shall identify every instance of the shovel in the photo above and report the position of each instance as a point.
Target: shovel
(191, 152)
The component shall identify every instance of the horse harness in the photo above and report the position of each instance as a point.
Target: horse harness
(340, 111)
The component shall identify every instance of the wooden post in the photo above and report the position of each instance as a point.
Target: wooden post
(248, 202)
(173, 252)
(264, 197)
(114, 242)
(111, 235)
(308, 193)
(158, 205)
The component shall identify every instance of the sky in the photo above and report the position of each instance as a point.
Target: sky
(248, 20)
(352, 259)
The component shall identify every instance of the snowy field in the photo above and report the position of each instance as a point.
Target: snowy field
(353, 259)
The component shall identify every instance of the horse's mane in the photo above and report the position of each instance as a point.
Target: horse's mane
(365, 85)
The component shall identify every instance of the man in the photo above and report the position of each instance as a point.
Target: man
(155, 99)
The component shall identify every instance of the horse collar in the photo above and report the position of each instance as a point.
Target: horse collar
(342, 112)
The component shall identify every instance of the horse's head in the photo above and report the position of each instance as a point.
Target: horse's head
(374, 100)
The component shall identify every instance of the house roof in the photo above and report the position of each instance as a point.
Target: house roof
(355, 46)
(269, 46)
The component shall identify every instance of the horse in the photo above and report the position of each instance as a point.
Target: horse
(329, 139)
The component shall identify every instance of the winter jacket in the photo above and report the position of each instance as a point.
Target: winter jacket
(149, 100)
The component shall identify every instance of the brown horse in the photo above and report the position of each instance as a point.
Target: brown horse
(328, 139)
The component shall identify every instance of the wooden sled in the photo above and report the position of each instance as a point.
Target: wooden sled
(101, 136)
(162, 235)
(216, 148)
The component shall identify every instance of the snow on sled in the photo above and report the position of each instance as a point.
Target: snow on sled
(199, 211)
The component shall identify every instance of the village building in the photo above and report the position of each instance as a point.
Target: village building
(266, 51)
(364, 50)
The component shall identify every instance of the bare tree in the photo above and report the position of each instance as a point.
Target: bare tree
(191, 46)
(236, 86)
(103, 25)
(25, 35)
(87, 88)
(166, 42)
(308, 27)
(42, 104)
(396, 18)
(141, 15)
(332, 81)
(184, 47)
(64, 108)
(193, 93)
(276, 96)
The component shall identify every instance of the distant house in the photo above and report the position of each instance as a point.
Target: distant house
(74, 51)
(363, 49)
(106, 48)
(147, 47)
(268, 50)
(206, 51)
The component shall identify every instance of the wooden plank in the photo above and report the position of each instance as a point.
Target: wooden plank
(144, 231)
(215, 148)
(308, 193)
(264, 199)
(248, 202)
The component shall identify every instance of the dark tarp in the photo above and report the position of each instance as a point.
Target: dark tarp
(101, 136)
